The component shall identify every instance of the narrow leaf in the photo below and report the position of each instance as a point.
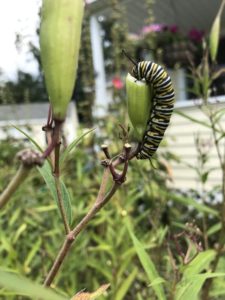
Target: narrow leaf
(73, 145)
(190, 289)
(29, 138)
(213, 229)
(218, 115)
(46, 173)
(192, 202)
(178, 112)
(125, 286)
(215, 33)
(200, 263)
(157, 281)
(146, 262)
(35, 248)
(23, 286)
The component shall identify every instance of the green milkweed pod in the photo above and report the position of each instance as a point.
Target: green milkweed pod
(215, 33)
(60, 34)
(139, 96)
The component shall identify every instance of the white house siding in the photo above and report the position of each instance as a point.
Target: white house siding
(180, 138)
(31, 118)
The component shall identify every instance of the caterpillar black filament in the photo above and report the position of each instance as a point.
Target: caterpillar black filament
(162, 108)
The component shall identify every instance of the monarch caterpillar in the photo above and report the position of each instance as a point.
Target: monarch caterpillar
(162, 105)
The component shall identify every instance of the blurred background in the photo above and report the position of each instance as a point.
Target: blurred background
(183, 184)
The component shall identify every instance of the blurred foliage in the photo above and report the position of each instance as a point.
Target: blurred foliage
(32, 232)
(85, 87)
(104, 253)
(23, 90)
(149, 242)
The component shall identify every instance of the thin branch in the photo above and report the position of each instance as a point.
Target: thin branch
(208, 284)
(74, 233)
(54, 139)
(216, 143)
(48, 133)
(28, 158)
(56, 173)
(102, 189)
(61, 204)
(100, 201)
(16, 181)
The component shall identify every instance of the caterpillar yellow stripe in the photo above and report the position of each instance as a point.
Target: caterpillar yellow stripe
(161, 108)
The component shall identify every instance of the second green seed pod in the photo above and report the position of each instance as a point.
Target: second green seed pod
(60, 33)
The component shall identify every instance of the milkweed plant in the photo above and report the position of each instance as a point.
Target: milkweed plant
(150, 99)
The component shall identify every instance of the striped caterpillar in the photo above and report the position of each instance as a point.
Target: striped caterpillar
(162, 105)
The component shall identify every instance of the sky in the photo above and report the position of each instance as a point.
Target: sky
(18, 16)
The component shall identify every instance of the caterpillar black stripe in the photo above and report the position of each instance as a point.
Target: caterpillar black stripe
(163, 103)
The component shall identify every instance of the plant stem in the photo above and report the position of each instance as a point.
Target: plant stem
(61, 204)
(49, 141)
(16, 181)
(56, 173)
(102, 189)
(100, 201)
(75, 232)
(208, 284)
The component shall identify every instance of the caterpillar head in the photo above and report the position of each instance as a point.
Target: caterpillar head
(134, 72)
(137, 70)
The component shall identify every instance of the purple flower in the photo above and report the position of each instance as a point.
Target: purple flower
(173, 28)
(196, 35)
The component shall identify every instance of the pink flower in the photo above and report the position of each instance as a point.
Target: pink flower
(152, 28)
(117, 83)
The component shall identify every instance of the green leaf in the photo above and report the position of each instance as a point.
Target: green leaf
(139, 297)
(46, 173)
(19, 231)
(32, 141)
(192, 280)
(218, 115)
(192, 202)
(215, 33)
(73, 145)
(220, 137)
(6, 244)
(29, 138)
(178, 112)
(100, 269)
(124, 288)
(146, 262)
(199, 263)
(125, 262)
(189, 289)
(213, 229)
(35, 248)
(218, 73)
(205, 176)
(23, 286)
(157, 281)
